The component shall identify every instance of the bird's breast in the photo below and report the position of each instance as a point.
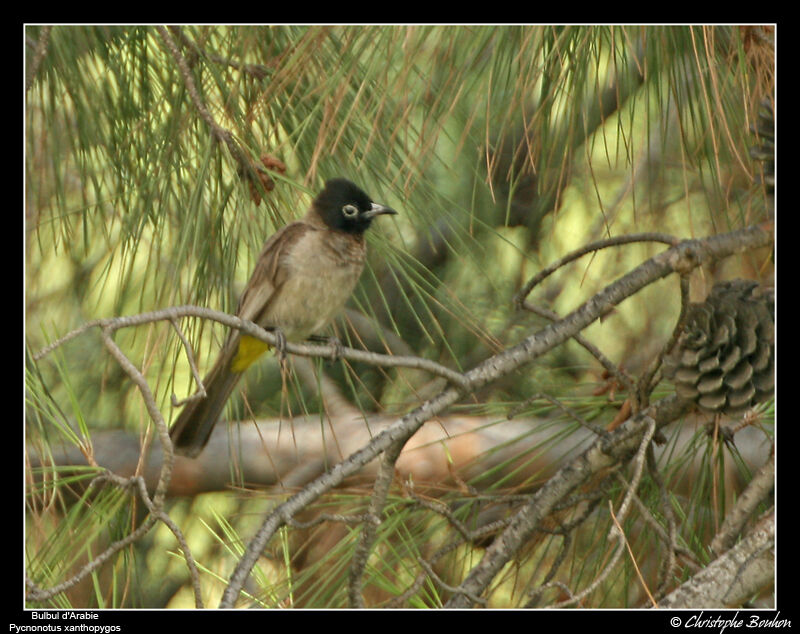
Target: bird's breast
(324, 268)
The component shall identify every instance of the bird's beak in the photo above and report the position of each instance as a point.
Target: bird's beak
(377, 210)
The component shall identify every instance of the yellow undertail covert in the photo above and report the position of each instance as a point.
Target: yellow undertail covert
(250, 349)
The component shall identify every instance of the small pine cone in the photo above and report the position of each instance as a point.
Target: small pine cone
(724, 358)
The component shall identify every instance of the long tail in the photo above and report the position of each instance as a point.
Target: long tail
(194, 425)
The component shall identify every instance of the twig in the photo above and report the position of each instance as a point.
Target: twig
(610, 366)
(646, 383)
(349, 520)
(432, 573)
(444, 510)
(133, 483)
(564, 531)
(638, 463)
(221, 134)
(399, 600)
(669, 536)
(326, 351)
(154, 412)
(616, 530)
(38, 594)
(201, 389)
(605, 452)
(368, 533)
(537, 592)
(138, 483)
(624, 540)
(589, 248)
(598, 431)
(259, 71)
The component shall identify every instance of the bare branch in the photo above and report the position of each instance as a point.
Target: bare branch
(152, 410)
(326, 351)
(611, 367)
(590, 248)
(201, 389)
(616, 529)
(734, 576)
(221, 134)
(38, 594)
(368, 533)
(757, 490)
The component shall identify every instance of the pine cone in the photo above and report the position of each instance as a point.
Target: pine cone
(724, 358)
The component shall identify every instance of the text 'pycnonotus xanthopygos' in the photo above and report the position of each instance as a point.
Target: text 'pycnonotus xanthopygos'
(305, 273)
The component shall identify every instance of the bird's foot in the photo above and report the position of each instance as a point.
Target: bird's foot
(331, 341)
(280, 345)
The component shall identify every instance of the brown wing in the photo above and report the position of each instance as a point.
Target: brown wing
(192, 428)
(270, 271)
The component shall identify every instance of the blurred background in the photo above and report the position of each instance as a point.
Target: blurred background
(503, 148)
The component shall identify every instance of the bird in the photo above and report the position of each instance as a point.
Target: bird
(305, 273)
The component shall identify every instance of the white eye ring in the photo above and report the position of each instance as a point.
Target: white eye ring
(350, 211)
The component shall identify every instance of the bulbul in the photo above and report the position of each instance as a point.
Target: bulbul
(305, 273)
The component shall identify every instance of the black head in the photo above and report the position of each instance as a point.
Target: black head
(344, 206)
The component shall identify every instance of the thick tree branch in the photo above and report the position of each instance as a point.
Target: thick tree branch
(758, 490)
(734, 576)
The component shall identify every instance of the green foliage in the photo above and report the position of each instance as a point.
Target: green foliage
(503, 147)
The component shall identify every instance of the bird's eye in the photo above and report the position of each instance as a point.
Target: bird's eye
(350, 211)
